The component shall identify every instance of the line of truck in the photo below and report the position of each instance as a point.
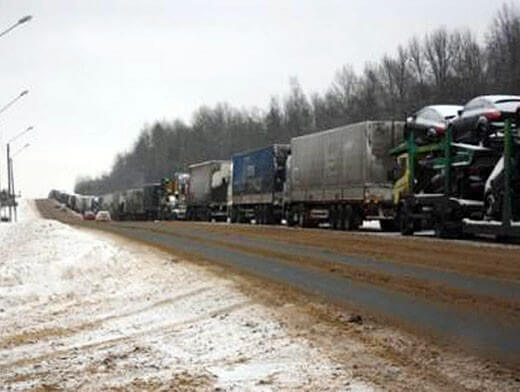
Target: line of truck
(372, 170)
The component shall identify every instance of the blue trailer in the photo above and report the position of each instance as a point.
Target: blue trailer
(257, 184)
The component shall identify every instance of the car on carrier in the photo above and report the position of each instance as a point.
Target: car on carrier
(481, 121)
(430, 122)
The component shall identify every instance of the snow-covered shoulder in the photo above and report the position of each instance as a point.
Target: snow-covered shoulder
(81, 311)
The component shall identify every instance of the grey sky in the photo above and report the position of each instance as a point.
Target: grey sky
(98, 70)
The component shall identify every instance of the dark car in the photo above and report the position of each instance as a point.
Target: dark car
(430, 123)
(482, 119)
(494, 190)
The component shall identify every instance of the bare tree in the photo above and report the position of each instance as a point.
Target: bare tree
(297, 111)
(503, 45)
(439, 52)
(395, 80)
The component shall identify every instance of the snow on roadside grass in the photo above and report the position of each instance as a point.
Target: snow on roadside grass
(81, 311)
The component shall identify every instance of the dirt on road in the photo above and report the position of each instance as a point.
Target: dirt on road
(368, 353)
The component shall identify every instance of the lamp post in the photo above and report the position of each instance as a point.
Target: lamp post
(11, 172)
(10, 178)
(20, 21)
(20, 134)
(13, 101)
(3, 109)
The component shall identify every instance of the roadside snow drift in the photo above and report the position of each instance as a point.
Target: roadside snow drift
(80, 311)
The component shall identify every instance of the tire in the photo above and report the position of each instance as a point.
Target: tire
(341, 217)
(388, 225)
(406, 226)
(289, 217)
(357, 220)
(233, 215)
(259, 216)
(348, 218)
(440, 229)
(302, 219)
(333, 217)
(492, 206)
(269, 216)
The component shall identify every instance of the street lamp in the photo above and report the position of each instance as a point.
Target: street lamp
(21, 149)
(11, 175)
(20, 21)
(10, 178)
(7, 106)
(20, 134)
(11, 102)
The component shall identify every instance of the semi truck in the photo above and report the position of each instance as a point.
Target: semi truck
(173, 201)
(258, 178)
(477, 189)
(207, 197)
(343, 176)
(134, 204)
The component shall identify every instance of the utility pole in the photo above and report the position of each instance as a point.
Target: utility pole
(9, 193)
(7, 106)
(11, 176)
(13, 190)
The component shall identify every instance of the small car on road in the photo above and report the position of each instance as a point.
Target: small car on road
(103, 216)
(89, 216)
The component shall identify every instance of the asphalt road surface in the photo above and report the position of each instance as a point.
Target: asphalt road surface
(463, 294)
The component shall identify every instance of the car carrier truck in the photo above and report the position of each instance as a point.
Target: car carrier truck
(480, 191)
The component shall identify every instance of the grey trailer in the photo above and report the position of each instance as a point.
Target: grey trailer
(141, 203)
(207, 196)
(343, 176)
(132, 207)
(111, 202)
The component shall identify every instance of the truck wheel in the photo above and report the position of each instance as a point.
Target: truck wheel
(333, 217)
(341, 217)
(269, 216)
(357, 220)
(302, 219)
(405, 222)
(388, 225)
(440, 228)
(233, 217)
(289, 217)
(348, 215)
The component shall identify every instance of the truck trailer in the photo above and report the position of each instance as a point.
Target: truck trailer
(257, 184)
(343, 176)
(142, 203)
(207, 197)
(480, 188)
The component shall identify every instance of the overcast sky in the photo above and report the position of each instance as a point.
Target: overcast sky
(98, 70)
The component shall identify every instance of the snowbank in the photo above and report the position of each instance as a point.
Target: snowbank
(79, 311)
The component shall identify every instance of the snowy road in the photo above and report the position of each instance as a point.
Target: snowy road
(82, 310)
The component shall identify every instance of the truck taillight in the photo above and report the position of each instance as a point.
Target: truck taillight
(493, 115)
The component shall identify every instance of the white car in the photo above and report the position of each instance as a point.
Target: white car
(103, 216)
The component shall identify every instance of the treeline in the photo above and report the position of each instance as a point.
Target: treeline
(448, 67)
